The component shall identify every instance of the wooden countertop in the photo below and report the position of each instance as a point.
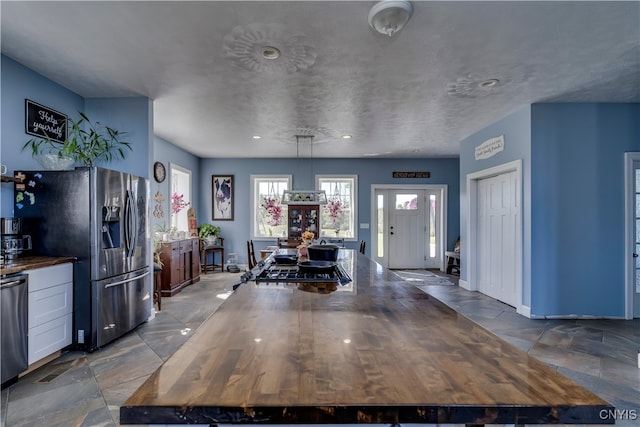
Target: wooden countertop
(30, 262)
(376, 351)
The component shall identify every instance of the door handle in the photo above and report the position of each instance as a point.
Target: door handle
(635, 255)
(122, 282)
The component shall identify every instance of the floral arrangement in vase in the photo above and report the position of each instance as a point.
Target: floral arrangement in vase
(334, 207)
(274, 210)
(307, 239)
(178, 203)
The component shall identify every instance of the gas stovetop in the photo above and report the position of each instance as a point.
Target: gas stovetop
(277, 273)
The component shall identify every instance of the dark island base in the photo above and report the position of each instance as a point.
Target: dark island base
(369, 415)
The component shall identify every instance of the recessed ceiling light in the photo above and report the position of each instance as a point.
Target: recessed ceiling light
(346, 136)
(270, 52)
(489, 83)
(256, 137)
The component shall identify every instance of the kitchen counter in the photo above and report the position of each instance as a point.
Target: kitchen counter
(20, 264)
(376, 351)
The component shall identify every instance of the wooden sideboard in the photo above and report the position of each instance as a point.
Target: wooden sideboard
(180, 265)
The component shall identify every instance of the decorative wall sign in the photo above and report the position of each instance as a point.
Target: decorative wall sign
(222, 196)
(44, 122)
(412, 174)
(490, 147)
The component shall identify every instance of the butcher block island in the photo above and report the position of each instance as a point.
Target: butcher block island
(375, 350)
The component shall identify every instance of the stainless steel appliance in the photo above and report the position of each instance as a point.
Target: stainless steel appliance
(14, 300)
(12, 242)
(98, 216)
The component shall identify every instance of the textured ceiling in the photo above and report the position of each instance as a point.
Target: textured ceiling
(416, 94)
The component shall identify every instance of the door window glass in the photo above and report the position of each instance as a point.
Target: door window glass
(406, 202)
(380, 226)
(180, 195)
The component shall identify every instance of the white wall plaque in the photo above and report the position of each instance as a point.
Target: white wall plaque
(490, 147)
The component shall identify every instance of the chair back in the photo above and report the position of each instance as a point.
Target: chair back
(288, 243)
(363, 246)
(335, 241)
(251, 255)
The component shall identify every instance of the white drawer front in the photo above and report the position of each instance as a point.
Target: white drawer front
(46, 277)
(49, 338)
(50, 303)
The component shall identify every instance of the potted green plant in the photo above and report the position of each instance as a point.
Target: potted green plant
(86, 143)
(209, 232)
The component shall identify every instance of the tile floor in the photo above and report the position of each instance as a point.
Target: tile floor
(89, 387)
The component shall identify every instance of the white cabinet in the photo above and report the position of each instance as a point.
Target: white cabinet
(50, 310)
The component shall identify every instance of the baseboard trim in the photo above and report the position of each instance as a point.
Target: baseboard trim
(464, 284)
(524, 310)
(576, 316)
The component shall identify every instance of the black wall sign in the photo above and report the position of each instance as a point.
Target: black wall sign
(45, 122)
(411, 174)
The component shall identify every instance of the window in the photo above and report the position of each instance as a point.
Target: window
(338, 216)
(180, 197)
(270, 216)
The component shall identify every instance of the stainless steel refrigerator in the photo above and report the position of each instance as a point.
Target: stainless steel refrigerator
(98, 216)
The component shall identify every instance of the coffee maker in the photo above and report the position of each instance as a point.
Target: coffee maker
(14, 243)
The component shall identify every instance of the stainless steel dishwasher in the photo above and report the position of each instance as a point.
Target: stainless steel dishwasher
(14, 300)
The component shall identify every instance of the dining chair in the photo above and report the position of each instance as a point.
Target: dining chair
(251, 255)
(363, 245)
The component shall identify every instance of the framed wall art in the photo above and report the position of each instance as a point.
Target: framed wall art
(222, 197)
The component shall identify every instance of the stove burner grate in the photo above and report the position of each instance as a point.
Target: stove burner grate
(290, 274)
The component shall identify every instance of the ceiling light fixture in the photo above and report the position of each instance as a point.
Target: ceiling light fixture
(256, 137)
(270, 52)
(346, 136)
(489, 83)
(390, 16)
(302, 197)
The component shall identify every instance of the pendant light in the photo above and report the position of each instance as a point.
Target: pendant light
(390, 16)
(304, 197)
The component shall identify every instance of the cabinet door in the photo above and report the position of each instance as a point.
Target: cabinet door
(50, 310)
(311, 220)
(50, 303)
(303, 218)
(49, 337)
(195, 259)
(295, 222)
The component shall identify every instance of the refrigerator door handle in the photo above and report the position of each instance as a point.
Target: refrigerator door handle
(134, 224)
(122, 282)
(128, 231)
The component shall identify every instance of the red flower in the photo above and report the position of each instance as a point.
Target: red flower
(274, 210)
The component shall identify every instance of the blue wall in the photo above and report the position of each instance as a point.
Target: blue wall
(17, 84)
(578, 199)
(516, 129)
(369, 171)
(573, 202)
(132, 115)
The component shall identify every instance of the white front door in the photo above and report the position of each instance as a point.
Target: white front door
(409, 225)
(407, 229)
(496, 250)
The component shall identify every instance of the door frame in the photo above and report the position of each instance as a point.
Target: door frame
(443, 188)
(472, 179)
(629, 204)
